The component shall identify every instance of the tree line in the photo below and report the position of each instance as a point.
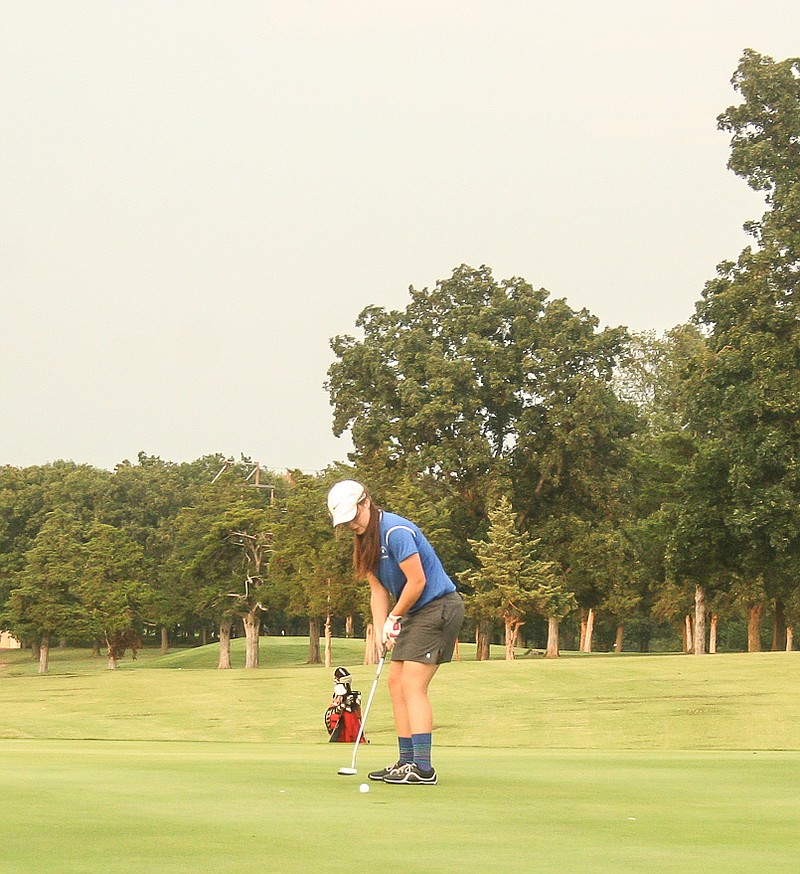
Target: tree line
(189, 552)
(575, 480)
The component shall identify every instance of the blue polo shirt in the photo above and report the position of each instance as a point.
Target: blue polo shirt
(399, 540)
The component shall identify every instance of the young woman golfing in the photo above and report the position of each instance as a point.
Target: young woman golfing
(416, 610)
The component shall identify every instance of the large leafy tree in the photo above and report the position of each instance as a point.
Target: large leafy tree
(112, 590)
(220, 544)
(745, 399)
(765, 151)
(28, 495)
(480, 383)
(144, 498)
(218, 563)
(44, 600)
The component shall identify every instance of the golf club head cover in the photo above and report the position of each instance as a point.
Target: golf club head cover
(391, 628)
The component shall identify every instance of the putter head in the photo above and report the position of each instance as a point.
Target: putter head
(347, 772)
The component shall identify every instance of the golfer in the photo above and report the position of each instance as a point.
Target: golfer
(416, 606)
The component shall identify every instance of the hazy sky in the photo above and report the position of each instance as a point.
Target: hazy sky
(196, 196)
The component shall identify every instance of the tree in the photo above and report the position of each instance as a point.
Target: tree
(220, 555)
(745, 398)
(112, 590)
(792, 618)
(555, 602)
(511, 583)
(199, 573)
(765, 151)
(28, 495)
(311, 563)
(612, 561)
(44, 600)
(256, 545)
(219, 550)
(652, 376)
(486, 388)
(143, 499)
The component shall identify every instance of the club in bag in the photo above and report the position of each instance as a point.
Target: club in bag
(352, 769)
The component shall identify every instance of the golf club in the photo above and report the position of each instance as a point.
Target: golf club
(352, 769)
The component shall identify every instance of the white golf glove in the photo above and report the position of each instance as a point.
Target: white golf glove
(391, 628)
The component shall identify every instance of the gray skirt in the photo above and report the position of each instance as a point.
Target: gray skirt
(429, 635)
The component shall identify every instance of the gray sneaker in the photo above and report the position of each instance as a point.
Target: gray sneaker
(411, 774)
(382, 773)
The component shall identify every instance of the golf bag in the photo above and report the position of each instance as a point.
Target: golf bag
(343, 717)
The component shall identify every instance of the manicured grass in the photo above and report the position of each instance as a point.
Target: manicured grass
(85, 806)
(633, 764)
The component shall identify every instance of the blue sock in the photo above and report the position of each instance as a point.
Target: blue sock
(406, 750)
(422, 751)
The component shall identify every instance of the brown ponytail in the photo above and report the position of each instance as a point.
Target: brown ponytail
(367, 546)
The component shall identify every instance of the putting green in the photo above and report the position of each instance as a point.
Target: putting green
(89, 806)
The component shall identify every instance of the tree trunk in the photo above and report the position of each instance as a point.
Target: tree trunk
(699, 620)
(754, 627)
(96, 647)
(712, 634)
(512, 634)
(225, 626)
(44, 654)
(314, 657)
(789, 638)
(587, 640)
(348, 626)
(582, 642)
(35, 650)
(113, 651)
(688, 637)
(252, 625)
(371, 650)
(482, 641)
(328, 636)
(552, 638)
(164, 640)
(618, 640)
(779, 628)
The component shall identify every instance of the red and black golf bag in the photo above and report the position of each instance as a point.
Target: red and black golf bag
(343, 717)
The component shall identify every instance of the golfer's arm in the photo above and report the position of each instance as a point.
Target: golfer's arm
(378, 602)
(415, 583)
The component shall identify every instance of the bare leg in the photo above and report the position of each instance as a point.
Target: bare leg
(408, 687)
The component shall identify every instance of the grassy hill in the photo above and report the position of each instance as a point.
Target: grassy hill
(678, 702)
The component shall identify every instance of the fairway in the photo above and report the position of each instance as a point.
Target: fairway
(634, 764)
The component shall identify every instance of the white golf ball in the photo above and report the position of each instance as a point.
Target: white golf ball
(364, 787)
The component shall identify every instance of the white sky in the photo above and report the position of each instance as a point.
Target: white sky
(196, 196)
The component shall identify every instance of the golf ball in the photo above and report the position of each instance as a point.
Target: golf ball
(364, 787)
